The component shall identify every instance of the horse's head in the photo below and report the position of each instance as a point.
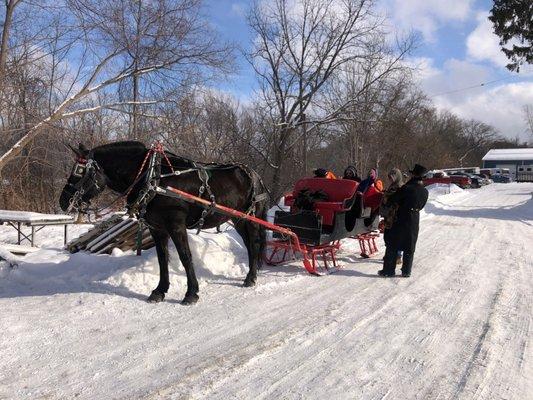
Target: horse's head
(86, 181)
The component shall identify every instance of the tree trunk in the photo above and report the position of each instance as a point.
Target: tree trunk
(134, 128)
(276, 180)
(279, 159)
(304, 150)
(10, 8)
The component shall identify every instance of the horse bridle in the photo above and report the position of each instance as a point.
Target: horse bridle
(86, 170)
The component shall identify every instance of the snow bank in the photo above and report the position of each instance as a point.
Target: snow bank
(7, 260)
(439, 189)
(53, 270)
(444, 194)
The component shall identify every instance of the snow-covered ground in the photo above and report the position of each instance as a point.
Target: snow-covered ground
(77, 326)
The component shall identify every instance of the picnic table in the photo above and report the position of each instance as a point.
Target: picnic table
(35, 221)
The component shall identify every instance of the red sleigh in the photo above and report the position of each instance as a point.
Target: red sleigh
(320, 230)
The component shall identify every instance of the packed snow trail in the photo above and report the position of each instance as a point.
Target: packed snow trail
(459, 328)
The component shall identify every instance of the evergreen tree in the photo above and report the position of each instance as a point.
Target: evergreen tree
(513, 22)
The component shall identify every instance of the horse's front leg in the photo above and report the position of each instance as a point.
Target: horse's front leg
(161, 246)
(179, 237)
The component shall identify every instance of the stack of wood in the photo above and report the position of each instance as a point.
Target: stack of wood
(118, 231)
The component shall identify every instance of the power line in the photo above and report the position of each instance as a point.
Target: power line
(473, 86)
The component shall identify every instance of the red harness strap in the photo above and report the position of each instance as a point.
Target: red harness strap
(157, 147)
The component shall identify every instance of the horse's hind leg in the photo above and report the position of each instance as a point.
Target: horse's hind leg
(161, 246)
(179, 237)
(252, 237)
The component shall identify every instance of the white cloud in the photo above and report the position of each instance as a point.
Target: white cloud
(424, 66)
(455, 74)
(482, 44)
(426, 16)
(500, 106)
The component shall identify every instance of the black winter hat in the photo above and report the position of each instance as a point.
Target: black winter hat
(352, 169)
(418, 170)
(320, 172)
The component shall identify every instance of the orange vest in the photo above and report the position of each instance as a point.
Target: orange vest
(330, 175)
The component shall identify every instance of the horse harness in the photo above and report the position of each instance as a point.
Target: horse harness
(87, 168)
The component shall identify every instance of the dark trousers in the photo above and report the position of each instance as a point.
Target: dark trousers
(389, 261)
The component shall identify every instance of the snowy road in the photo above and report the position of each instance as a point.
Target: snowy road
(459, 328)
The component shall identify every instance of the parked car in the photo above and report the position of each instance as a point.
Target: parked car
(442, 177)
(484, 179)
(495, 171)
(501, 178)
(475, 181)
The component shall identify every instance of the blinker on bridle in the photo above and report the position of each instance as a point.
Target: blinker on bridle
(80, 167)
(84, 169)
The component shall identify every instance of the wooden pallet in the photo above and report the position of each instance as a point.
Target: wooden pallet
(118, 231)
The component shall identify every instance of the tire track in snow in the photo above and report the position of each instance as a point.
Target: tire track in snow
(372, 316)
(339, 336)
(313, 357)
(493, 343)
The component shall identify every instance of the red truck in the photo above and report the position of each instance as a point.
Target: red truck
(442, 177)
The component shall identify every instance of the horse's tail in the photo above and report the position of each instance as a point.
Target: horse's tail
(262, 195)
(262, 234)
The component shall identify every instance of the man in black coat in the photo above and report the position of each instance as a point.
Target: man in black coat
(403, 233)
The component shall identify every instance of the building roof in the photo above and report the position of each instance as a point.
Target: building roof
(509, 154)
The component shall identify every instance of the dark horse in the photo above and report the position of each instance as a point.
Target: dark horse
(116, 166)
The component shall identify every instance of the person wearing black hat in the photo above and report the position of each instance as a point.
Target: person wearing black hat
(403, 234)
(351, 173)
(320, 173)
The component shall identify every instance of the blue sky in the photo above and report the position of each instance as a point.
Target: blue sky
(457, 50)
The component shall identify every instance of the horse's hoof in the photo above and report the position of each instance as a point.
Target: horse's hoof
(156, 297)
(190, 299)
(248, 283)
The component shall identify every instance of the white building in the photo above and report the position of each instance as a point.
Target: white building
(518, 161)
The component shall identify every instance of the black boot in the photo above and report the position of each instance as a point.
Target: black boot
(389, 263)
(407, 264)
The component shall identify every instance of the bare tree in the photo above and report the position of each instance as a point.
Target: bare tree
(299, 46)
(369, 97)
(175, 40)
(475, 135)
(6, 30)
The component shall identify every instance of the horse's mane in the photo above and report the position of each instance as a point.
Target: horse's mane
(123, 145)
(173, 156)
(139, 147)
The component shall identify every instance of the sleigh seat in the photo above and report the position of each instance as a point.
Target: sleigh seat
(340, 192)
